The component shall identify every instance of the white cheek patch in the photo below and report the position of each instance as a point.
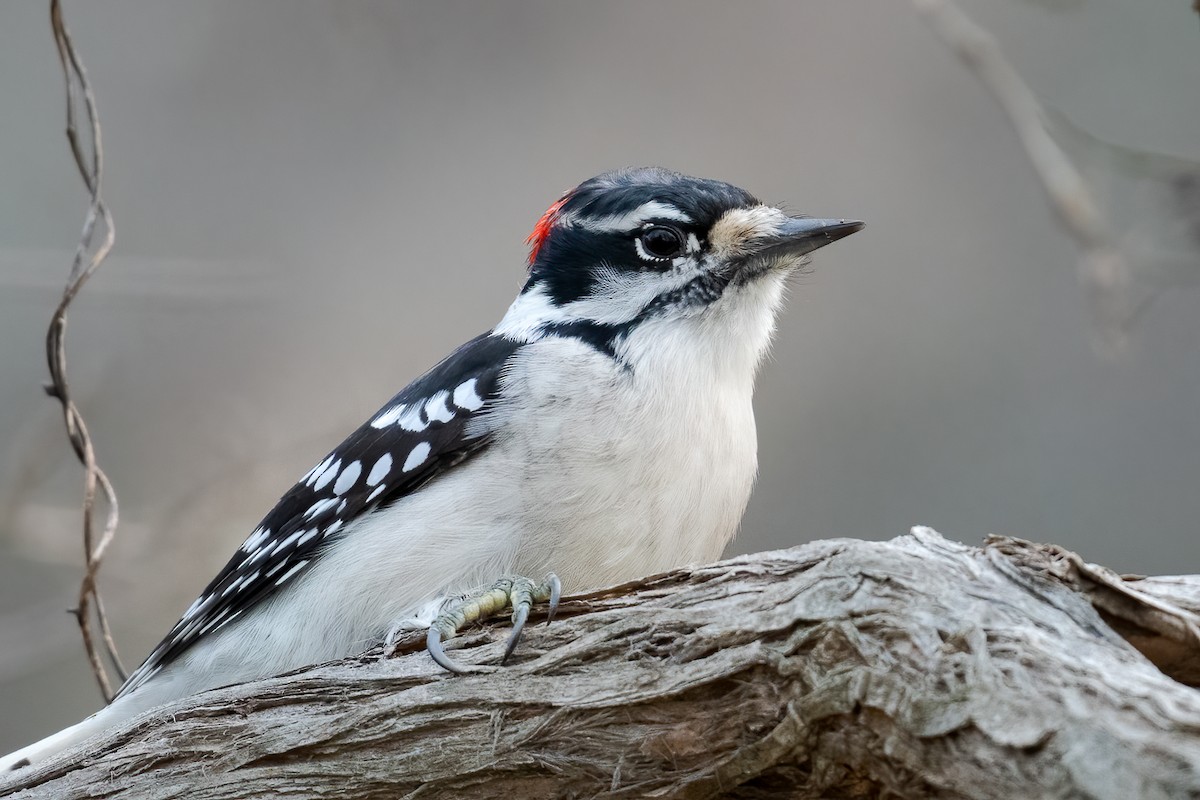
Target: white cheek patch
(619, 296)
(616, 297)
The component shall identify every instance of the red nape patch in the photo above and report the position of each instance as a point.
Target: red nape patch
(537, 238)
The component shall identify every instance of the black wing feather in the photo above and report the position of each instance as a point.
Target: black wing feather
(417, 435)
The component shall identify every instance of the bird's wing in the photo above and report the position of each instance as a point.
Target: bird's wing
(422, 432)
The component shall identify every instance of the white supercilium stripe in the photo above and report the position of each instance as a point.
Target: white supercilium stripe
(629, 221)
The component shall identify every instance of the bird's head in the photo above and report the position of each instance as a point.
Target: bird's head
(651, 247)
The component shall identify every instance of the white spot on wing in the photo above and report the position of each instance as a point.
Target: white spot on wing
(436, 409)
(466, 397)
(348, 477)
(288, 541)
(411, 420)
(378, 491)
(327, 475)
(215, 621)
(298, 566)
(192, 608)
(319, 507)
(389, 416)
(316, 471)
(382, 467)
(308, 534)
(254, 540)
(417, 457)
(186, 631)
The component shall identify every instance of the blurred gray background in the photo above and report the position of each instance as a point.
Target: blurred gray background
(315, 201)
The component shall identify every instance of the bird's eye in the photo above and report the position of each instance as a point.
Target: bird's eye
(662, 242)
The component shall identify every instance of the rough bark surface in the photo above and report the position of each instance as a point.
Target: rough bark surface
(918, 667)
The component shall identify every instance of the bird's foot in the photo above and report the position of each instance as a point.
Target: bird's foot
(515, 591)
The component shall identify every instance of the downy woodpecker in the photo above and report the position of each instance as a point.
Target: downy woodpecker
(603, 430)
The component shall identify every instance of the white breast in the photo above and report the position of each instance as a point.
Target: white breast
(621, 471)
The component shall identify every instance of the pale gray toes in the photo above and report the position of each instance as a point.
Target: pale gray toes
(516, 592)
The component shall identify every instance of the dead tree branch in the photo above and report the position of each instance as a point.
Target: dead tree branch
(94, 245)
(913, 668)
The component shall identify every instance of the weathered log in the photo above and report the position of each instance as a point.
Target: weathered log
(918, 667)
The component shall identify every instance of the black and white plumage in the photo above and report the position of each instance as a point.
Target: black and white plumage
(602, 430)
(421, 432)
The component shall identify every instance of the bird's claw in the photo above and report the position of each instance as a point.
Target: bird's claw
(515, 591)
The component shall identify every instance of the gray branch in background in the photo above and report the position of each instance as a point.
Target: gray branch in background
(918, 667)
(1119, 272)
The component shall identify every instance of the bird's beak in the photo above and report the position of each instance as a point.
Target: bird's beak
(800, 235)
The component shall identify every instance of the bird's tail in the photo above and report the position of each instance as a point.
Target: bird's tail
(53, 744)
